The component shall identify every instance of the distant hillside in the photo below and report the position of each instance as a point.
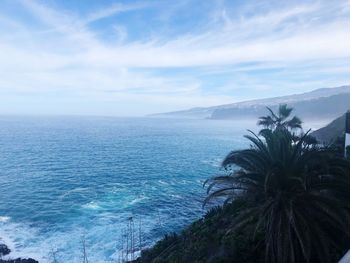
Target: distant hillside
(323, 108)
(326, 103)
(331, 132)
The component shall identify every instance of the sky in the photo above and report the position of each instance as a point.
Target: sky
(132, 58)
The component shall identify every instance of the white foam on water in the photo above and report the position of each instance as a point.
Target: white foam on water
(163, 182)
(176, 196)
(213, 162)
(4, 218)
(103, 241)
(137, 200)
(18, 238)
(92, 205)
(76, 190)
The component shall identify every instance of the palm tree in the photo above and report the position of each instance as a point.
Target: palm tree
(281, 120)
(296, 196)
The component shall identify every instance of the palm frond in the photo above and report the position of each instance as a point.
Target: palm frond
(299, 196)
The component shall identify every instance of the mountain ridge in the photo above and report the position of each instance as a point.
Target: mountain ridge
(252, 108)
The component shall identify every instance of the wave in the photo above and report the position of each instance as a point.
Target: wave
(76, 190)
(92, 205)
(137, 200)
(18, 237)
(213, 162)
(4, 218)
(103, 241)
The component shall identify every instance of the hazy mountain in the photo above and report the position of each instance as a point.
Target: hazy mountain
(332, 131)
(326, 103)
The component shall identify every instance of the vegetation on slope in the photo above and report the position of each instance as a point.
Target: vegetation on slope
(330, 133)
(288, 201)
(208, 240)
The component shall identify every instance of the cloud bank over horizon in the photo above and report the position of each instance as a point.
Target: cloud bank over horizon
(129, 58)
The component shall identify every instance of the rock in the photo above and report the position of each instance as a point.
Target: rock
(4, 250)
(19, 260)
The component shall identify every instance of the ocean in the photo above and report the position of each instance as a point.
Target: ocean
(65, 181)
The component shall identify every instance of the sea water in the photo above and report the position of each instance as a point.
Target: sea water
(65, 180)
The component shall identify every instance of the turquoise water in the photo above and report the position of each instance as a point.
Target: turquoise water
(65, 179)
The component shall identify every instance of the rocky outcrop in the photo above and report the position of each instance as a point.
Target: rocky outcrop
(4, 250)
(19, 260)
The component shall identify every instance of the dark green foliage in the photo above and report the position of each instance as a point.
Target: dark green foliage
(337, 146)
(297, 195)
(287, 202)
(208, 240)
(281, 119)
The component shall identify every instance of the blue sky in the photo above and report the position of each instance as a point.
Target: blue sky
(131, 58)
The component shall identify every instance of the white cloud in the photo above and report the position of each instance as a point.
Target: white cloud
(66, 55)
(111, 11)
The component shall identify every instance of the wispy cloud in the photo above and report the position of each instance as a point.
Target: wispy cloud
(112, 10)
(234, 52)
